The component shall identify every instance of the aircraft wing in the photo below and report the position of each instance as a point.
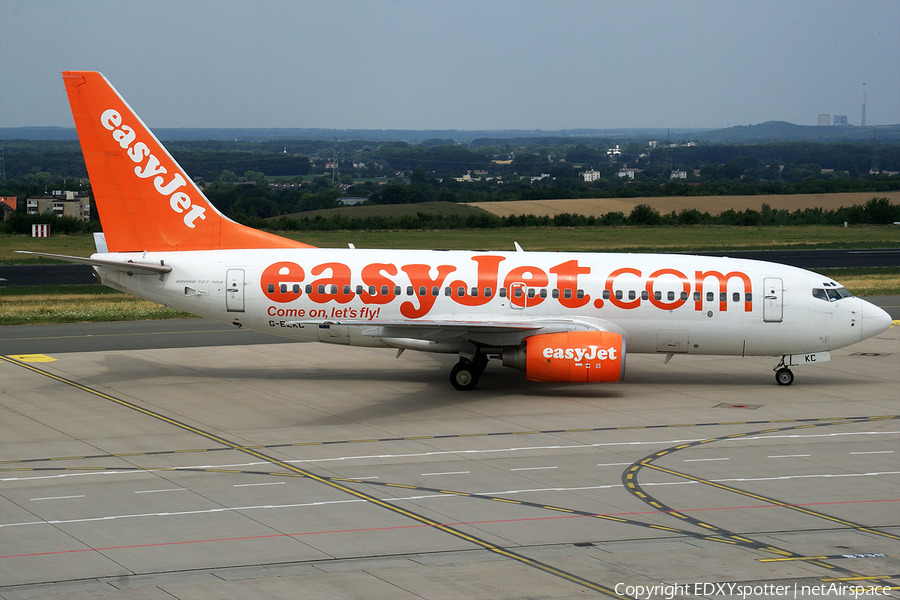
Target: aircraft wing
(132, 268)
(483, 332)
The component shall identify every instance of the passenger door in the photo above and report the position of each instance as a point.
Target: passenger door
(773, 306)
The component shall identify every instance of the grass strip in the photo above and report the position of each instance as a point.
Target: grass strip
(84, 303)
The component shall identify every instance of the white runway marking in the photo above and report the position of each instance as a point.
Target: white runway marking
(258, 484)
(437, 496)
(57, 498)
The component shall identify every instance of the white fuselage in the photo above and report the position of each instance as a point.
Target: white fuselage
(661, 303)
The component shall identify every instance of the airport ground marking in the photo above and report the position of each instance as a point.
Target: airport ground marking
(466, 435)
(630, 482)
(475, 540)
(774, 501)
(571, 513)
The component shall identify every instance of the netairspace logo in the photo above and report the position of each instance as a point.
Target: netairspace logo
(671, 591)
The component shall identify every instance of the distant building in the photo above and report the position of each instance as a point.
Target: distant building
(626, 172)
(614, 151)
(351, 200)
(824, 120)
(678, 175)
(61, 203)
(590, 176)
(840, 119)
(7, 206)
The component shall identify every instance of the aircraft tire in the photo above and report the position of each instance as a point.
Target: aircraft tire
(784, 377)
(464, 376)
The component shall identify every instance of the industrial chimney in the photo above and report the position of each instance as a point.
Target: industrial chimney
(864, 106)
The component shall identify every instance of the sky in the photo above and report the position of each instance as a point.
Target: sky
(457, 64)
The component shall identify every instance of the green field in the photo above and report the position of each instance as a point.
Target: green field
(582, 239)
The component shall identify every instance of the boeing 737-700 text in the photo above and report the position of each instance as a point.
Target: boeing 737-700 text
(560, 317)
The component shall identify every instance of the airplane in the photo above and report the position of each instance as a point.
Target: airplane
(559, 317)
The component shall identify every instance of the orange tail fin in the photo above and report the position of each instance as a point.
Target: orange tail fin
(145, 200)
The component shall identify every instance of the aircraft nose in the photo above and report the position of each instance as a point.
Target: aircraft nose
(874, 320)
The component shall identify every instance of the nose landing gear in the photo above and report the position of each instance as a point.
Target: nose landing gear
(783, 375)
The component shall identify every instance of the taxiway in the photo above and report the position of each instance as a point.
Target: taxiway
(280, 470)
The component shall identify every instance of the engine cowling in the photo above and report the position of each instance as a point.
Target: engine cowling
(571, 357)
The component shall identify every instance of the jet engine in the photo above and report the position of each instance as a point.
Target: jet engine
(570, 357)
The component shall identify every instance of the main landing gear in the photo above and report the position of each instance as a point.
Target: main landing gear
(465, 374)
(783, 375)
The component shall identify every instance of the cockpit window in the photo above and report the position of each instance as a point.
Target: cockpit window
(831, 294)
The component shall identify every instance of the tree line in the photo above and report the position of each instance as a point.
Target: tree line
(877, 211)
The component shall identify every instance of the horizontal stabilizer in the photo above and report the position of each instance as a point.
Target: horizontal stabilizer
(128, 266)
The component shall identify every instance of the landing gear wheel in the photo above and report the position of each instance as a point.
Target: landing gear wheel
(464, 376)
(784, 376)
(480, 362)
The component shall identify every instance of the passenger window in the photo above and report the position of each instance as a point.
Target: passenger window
(474, 292)
(448, 291)
(518, 292)
(657, 295)
(670, 296)
(579, 294)
(683, 296)
(555, 293)
(434, 291)
(309, 288)
(748, 297)
(723, 297)
(296, 288)
(606, 294)
(321, 288)
(283, 288)
(334, 289)
(531, 292)
(359, 289)
(384, 290)
(503, 292)
(618, 294)
(271, 288)
(409, 290)
(710, 296)
(396, 290)
(543, 293)
(460, 291)
(372, 290)
(487, 292)
(736, 297)
(631, 295)
(346, 289)
(422, 290)
(696, 296)
(567, 293)
(645, 295)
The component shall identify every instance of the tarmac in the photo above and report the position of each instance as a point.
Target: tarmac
(145, 461)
